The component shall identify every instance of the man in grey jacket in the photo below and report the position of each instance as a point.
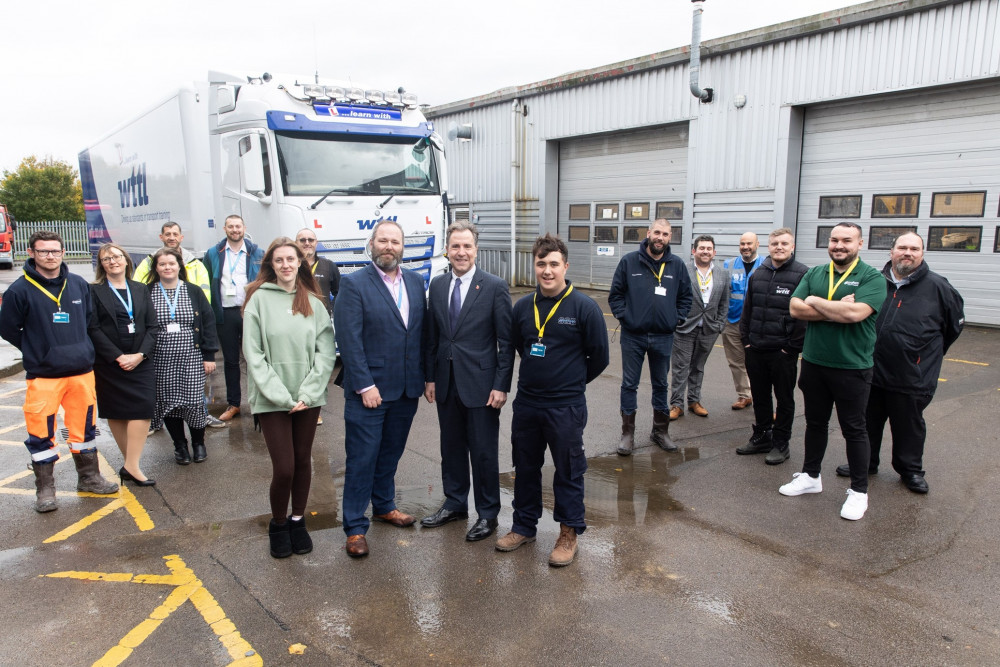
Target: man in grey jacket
(695, 337)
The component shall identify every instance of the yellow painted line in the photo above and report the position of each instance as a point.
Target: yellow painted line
(11, 442)
(11, 407)
(86, 521)
(15, 391)
(139, 514)
(13, 428)
(963, 361)
(13, 478)
(187, 586)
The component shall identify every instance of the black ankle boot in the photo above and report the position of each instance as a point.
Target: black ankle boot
(301, 542)
(199, 451)
(281, 543)
(181, 453)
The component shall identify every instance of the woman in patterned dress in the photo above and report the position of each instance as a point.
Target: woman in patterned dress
(185, 352)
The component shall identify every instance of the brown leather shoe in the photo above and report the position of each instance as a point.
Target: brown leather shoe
(396, 518)
(698, 409)
(676, 412)
(357, 546)
(512, 541)
(742, 403)
(565, 549)
(231, 411)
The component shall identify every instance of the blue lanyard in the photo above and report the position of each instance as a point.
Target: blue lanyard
(172, 305)
(233, 263)
(128, 306)
(399, 295)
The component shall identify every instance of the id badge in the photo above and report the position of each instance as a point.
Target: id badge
(230, 290)
(60, 317)
(173, 327)
(660, 291)
(131, 327)
(537, 350)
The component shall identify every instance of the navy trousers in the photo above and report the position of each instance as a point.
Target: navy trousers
(231, 342)
(374, 440)
(561, 429)
(635, 348)
(469, 435)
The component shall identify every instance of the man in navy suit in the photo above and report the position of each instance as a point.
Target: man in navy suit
(379, 319)
(468, 365)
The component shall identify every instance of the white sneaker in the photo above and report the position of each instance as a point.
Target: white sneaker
(855, 506)
(802, 483)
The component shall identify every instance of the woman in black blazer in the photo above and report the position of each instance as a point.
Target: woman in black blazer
(123, 330)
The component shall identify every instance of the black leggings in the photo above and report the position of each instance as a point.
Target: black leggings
(175, 427)
(289, 439)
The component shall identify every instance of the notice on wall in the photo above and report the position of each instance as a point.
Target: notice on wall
(606, 250)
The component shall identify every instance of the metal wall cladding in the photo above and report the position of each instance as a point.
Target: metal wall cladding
(732, 148)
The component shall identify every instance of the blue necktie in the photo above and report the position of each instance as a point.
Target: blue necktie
(456, 304)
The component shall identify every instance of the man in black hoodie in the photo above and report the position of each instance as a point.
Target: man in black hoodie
(45, 315)
(920, 319)
(650, 294)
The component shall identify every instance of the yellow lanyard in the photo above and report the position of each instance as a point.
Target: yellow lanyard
(833, 288)
(703, 284)
(315, 264)
(538, 324)
(46, 292)
(659, 276)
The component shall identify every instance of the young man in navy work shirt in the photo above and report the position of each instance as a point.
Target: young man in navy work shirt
(563, 342)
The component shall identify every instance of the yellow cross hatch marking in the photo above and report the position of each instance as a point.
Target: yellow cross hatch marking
(186, 587)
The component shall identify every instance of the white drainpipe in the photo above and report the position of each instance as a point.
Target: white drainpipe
(705, 95)
(514, 110)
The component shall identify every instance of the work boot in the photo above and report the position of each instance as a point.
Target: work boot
(565, 549)
(778, 454)
(181, 453)
(659, 435)
(759, 443)
(628, 435)
(89, 474)
(45, 487)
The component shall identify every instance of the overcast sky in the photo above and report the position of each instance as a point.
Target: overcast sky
(73, 70)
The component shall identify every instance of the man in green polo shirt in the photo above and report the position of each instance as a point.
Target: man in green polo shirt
(840, 301)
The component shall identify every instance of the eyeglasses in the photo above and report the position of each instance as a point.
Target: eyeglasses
(47, 253)
(112, 259)
(306, 240)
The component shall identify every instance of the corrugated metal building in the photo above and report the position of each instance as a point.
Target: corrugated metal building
(885, 113)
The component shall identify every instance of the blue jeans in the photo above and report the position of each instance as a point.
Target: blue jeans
(374, 440)
(635, 347)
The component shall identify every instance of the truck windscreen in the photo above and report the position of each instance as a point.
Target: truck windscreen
(315, 164)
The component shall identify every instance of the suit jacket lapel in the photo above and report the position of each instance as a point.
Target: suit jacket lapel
(470, 298)
(381, 289)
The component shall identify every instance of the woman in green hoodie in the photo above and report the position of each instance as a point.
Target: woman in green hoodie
(289, 348)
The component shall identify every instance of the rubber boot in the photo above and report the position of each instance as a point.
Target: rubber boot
(281, 543)
(301, 542)
(45, 487)
(659, 435)
(88, 472)
(181, 454)
(628, 435)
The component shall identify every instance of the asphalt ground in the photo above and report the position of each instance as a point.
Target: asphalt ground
(690, 558)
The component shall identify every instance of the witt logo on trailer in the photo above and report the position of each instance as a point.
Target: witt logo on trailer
(370, 224)
(132, 189)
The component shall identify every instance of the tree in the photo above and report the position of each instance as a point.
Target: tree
(45, 189)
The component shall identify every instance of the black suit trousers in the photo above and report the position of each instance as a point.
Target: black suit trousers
(905, 413)
(469, 435)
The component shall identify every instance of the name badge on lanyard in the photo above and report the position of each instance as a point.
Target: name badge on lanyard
(173, 327)
(537, 350)
(131, 327)
(660, 291)
(60, 317)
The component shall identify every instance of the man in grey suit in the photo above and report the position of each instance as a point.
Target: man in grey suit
(468, 366)
(695, 337)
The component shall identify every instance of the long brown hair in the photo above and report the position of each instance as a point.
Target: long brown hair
(305, 283)
(154, 276)
(100, 275)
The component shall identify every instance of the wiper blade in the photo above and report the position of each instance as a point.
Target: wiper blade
(342, 191)
(386, 201)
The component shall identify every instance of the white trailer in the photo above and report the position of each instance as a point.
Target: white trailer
(283, 155)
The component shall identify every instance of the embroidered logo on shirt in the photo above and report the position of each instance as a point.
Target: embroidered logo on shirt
(782, 290)
(570, 321)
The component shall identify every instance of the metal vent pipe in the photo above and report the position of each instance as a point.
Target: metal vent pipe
(705, 95)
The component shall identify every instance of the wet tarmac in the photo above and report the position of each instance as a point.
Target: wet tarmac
(690, 558)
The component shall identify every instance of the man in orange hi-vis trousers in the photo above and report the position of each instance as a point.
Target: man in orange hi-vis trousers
(45, 315)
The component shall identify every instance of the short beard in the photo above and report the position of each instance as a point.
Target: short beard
(845, 262)
(387, 265)
(902, 271)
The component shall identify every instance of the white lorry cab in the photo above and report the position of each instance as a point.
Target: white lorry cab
(281, 154)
